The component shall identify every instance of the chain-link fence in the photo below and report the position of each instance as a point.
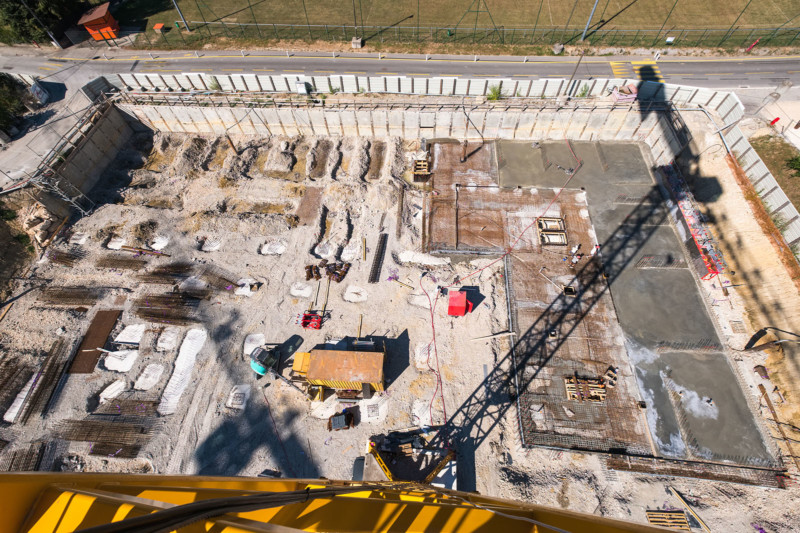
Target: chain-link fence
(204, 32)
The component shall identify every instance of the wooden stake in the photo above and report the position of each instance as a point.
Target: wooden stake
(691, 512)
(5, 310)
(360, 322)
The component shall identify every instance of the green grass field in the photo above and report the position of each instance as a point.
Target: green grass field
(641, 14)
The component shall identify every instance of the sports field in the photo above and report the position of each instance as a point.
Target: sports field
(620, 14)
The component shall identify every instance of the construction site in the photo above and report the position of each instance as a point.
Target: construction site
(522, 298)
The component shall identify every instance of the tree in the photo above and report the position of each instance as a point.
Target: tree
(11, 95)
(17, 24)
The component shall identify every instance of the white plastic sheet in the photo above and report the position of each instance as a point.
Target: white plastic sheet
(131, 334)
(120, 361)
(184, 364)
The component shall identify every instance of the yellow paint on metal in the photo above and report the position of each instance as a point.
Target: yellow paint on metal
(48, 502)
(301, 361)
(344, 385)
(122, 512)
(76, 512)
(50, 519)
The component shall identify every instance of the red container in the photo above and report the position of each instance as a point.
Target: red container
(458, 304)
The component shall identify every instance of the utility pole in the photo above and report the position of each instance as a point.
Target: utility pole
(590, 19)
(665, 23)
(52, 38)
(180, 13)
(574, 72)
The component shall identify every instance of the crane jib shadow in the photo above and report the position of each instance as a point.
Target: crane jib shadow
(476, 418)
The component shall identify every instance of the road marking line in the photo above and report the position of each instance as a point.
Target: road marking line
(263, 70)
(792, 71)
(232, 69)
(355, 72)
(46, 68)
(326, 71)
(759, 73)
(719, 73)
(391, 74)
(287, 70)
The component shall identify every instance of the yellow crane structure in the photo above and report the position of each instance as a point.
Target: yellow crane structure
(128, 503)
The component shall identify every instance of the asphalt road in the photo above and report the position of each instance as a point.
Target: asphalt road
(722, 72)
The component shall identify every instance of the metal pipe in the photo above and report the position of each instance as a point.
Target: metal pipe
(180, 13)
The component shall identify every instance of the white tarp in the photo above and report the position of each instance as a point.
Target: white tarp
(131, 334)
(159, 242)
(149, 377)
(212, 244)
(237, 399)
(253, 341)
(120, 361)
(184, 363)
(168, 340)
(116, 243)
(112, 391)
(243, 287)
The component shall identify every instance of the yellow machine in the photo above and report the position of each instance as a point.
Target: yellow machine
(95, 503)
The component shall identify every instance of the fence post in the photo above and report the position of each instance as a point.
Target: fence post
(275, 30)
(701, 37)
(327, 36)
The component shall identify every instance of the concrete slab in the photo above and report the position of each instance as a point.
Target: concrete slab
(671, 339)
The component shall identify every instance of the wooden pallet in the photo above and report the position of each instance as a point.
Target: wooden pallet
(671, 519)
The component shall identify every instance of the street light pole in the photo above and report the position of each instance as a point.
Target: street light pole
(590, 20)
(52, 38)
(180, 13)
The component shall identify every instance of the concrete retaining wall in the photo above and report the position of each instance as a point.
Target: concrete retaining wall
(723, 102)
(87, 161)
(628, 122)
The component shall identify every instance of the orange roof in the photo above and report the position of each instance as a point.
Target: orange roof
(97, 12)
(339, 365)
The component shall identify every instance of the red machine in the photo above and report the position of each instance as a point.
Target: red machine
(458, 304)
(311, 320)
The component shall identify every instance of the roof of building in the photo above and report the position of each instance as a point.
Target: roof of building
(97, 12)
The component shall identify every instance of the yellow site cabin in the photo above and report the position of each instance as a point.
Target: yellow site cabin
(341, 369)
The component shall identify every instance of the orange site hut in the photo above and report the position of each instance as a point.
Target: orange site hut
(99, 23)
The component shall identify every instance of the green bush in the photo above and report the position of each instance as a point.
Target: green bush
(794, 164)
(23, 239)
(7, 214)
(494, 93)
